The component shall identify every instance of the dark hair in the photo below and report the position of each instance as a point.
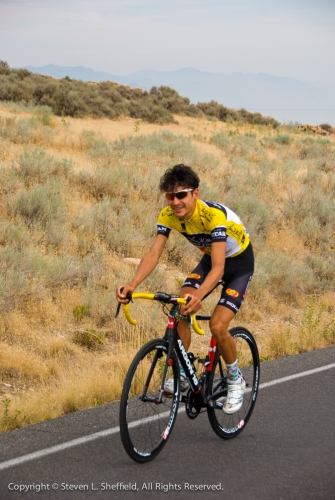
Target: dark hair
(179, 175)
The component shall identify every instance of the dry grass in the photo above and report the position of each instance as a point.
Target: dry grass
(61, 348)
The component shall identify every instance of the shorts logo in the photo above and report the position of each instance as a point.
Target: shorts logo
(232, 292)
(195, 276)
(228, 304)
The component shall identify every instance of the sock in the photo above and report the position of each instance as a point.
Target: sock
(234, 374)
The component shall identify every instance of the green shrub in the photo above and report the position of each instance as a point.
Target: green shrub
(282, 139)
(283, 275)
(326, 126)
(91, 339)
(26, 272)
(79, 312)
(39, 206)
(220, 140)
(44, 114)
(309, 201)
(4, 68)
(36, 166)
(257, 216)
(14, 235)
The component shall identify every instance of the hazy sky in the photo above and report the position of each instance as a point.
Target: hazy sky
(293, 38)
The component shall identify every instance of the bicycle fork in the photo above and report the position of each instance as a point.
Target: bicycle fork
(144, 396)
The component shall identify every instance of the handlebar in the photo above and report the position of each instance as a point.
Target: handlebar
(161, 297)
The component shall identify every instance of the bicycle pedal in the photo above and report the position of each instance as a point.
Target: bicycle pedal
(215, 405)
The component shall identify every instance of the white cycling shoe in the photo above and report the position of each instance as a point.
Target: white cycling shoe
(234, 399)
(169, 384)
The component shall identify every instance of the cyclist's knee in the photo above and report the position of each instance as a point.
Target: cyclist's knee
(219, 323)
(219, 328)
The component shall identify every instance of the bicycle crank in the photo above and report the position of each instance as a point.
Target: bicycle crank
(193, 404)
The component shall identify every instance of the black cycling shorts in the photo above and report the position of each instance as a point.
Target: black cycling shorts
(237, 275)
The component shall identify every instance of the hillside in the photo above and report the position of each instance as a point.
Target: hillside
(69, 97)
(285, 99)
(79, 202)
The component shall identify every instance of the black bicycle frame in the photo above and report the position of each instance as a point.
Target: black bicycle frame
(176, 344)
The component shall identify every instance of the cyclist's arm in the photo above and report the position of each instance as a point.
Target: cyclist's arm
(145, 267)
(218, 257)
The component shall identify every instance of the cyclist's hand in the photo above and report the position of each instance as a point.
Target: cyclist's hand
(121, 297)
(194, 305)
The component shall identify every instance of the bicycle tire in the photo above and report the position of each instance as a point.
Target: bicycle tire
(145, 426)
(224, 425)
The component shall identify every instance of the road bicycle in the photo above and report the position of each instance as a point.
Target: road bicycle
(147, 413)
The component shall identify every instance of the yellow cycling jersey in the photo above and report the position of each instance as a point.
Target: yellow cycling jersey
(210, 222)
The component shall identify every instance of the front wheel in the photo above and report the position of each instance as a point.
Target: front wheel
(224, 425)
(147, 415)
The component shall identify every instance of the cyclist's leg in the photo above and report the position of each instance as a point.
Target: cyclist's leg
(219, 326)
(237, 277)
(233, 294)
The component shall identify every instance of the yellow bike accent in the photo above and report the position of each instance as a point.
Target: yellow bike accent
(151, 296)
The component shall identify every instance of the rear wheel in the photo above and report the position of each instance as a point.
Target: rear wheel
(147, 415)
(229, 426)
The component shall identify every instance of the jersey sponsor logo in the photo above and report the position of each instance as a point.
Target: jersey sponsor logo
(219, 234)
(233, 293)
(206, 214)
(198, 240)
(167, 211)
(235, 231)
(188, 363)
(163, 229)
(195, 276)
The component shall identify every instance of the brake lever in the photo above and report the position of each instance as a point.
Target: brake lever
(118, 309)
(129, 297)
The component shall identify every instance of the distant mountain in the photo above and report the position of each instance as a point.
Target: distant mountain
(281, 97)
(75, 72)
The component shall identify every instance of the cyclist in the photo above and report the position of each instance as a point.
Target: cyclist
(219, 233)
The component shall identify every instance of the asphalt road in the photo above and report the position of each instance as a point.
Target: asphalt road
(287, 450)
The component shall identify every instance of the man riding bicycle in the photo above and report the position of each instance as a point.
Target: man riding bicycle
(219, 233)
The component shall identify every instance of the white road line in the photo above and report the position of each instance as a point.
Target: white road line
(297, 375)
(114, 430)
